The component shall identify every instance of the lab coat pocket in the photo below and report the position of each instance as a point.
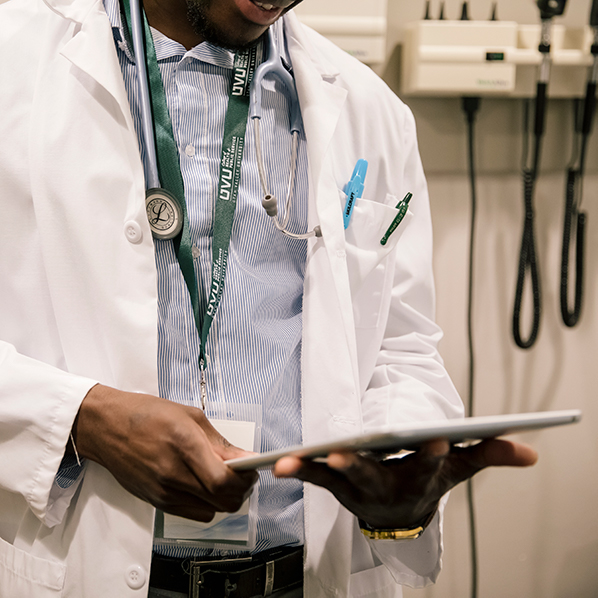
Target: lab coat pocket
(22, 574)
(365, 254)
(369, 222)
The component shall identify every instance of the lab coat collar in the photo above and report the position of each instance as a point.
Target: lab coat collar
(91, 48)
(320, 62)
(74, 10)
(321, 101)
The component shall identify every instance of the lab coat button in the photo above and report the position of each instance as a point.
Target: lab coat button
(133, 232)
(135, 577)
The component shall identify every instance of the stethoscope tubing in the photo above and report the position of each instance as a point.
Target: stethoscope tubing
(153, 179)
(274, 66)
(271, 66)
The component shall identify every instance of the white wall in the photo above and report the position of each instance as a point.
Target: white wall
(538, 530)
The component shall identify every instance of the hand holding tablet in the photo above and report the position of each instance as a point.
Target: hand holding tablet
(411, 436)
(398, 498)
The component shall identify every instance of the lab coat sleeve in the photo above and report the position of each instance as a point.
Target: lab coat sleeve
(38, 405)
(414, 563)
(409, 381)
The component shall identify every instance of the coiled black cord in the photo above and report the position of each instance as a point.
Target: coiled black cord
(528, 265)
(528, 262)
(573, 215)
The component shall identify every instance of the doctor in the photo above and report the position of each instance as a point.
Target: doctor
(322, 338)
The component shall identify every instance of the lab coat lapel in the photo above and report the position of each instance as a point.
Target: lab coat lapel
(329, 372)
(92, 51)
(327, 297)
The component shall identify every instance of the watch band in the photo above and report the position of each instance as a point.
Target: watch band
(410, 533)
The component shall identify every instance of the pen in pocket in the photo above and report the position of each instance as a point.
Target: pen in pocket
(354, 189)
(402, 206)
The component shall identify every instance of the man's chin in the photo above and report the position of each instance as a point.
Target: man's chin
(214, 35)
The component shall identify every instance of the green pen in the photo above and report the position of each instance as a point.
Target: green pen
(402, 206)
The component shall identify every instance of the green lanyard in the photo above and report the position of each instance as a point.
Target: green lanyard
(233, 143)
(228, 184)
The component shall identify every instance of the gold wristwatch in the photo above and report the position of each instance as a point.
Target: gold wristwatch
(402, 533)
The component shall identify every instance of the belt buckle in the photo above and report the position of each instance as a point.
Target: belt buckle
(269, 585)
(197, 572)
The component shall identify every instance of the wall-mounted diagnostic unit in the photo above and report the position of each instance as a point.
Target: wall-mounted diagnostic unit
(356, 26)
(491, 58)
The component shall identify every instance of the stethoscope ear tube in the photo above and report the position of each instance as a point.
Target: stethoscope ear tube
(273, 66)
(145, 103)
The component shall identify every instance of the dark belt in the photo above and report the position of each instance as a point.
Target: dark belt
(239, 577)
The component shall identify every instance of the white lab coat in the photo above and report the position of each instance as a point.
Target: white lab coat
(78, 303)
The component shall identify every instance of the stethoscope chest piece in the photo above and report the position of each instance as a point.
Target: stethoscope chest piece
(164, 213)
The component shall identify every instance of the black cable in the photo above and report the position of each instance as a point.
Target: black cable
(470, 107)
(573, 215)
(528, 263)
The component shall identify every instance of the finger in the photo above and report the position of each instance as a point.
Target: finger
(353, 467)
(211, 479)
(287, 467)
(464, 463)
(319, 474)
(362, 472)
(215, 438)
(232, 451)
(435, 449)
(215, 481)
(424, 464)
(497, 452)
(220, 444)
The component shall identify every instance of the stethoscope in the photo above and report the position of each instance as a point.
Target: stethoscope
(164, 212)
(275, 66)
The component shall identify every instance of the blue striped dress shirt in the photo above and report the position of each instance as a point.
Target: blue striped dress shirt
(254, 346)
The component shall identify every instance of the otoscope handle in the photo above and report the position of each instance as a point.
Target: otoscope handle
(540, 116)
(589, 108)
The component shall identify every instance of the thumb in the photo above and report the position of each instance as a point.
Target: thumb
(499, 452)
(220, 445)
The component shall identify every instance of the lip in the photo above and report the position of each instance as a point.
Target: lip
(252, 12)
(281, 3)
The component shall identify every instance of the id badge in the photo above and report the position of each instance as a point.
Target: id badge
(227, 530)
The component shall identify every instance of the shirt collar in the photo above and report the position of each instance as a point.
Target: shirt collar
(165, 47)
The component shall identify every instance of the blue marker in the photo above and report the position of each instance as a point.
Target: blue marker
(354, 189)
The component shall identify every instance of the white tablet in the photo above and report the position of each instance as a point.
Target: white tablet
(410, 436)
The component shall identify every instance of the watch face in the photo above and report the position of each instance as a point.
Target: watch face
(163, 213)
